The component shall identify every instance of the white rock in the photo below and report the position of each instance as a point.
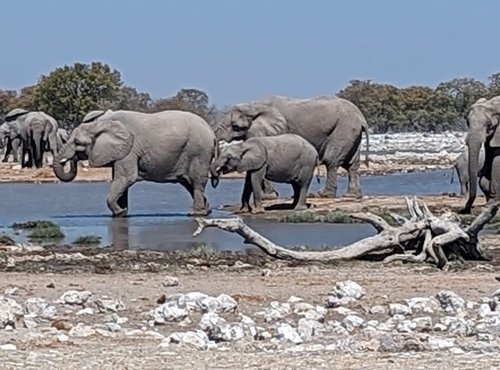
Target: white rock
(168, 312)
(75, 297)
(313, 315)
(62, 338)
(39, 307)
(88, 311)
(8, 347)
(227, 303)
(336, 328)
(170, 281)
(293, 300)
(406, 326)
(308, 328)
(29, 322)
(441, 343)
(10, 311)
(249, 326)
(190, 301)
(109, 304)
(288, 333)
(483, 310)
(113, 327)
(191, 339)
(377, 310)
(450, 301)
(81, 331)
(344, 293)
(301, 307)
(440, 327)
(209, 304)
(352, 322)
(423, 304)
(423, 323)
(399, 309)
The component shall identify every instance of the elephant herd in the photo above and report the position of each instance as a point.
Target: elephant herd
(277, 139)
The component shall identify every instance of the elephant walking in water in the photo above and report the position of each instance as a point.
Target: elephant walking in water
(37, 131)
(9, 144)
(334, 126)
(461, 167)
(168, 146)
(483, 122)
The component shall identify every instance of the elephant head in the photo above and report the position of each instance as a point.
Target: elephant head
(241, 157)
(483, 122)
(245, 121)
(102, 143)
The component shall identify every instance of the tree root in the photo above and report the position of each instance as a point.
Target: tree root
(422, 236)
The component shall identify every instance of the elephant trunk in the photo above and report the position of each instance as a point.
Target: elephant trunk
(474, 147)
(215, 175)
(59, 162)
(38, 147)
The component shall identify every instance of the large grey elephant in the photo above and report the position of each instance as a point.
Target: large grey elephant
(286, 158)
(9, 144)
(461, 167)
(334, 126)
(168, 146)
(483, 120)
(38, 133)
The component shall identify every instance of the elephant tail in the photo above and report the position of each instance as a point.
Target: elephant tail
(365, 129)
(214, 178)
(317, 169)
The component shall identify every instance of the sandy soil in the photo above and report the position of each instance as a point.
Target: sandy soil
(140, 292)
(10, 172)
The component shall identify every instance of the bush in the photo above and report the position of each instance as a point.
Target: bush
(38, 224)
(6, 240)
(88, 240)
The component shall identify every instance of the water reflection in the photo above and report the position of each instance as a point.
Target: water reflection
(119, 228)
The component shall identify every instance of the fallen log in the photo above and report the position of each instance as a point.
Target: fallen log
(416, 239)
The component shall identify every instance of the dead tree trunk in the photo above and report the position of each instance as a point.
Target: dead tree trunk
(422, 236)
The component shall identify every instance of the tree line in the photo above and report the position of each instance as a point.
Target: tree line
(69, 92)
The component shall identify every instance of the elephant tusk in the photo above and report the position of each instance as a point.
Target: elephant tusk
(218, 169)
(63, 161)
(222, 142)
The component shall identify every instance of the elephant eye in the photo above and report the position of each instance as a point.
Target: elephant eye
(235, 127)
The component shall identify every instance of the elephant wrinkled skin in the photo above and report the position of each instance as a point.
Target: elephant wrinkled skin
(37, 132)
(286, 158)
(483, 120)
(168, 146)
(334, 127)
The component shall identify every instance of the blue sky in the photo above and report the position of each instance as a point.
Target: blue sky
(244, 50)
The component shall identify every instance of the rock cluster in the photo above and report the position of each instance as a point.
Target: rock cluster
(197, 321)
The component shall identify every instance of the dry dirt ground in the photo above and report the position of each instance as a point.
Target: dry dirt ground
(140, 292)
(10, 172)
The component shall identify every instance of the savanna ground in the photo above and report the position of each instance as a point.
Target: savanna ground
(252, 278)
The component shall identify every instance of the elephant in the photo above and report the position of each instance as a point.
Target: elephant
(461, 167)
(286, 158)
(37, 132)
(334, 126)
(10, 144)
(482, 121)
(164, 147)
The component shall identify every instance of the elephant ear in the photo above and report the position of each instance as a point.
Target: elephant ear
(493, 106)
(112, 142)
(253, 156)
(266, 121)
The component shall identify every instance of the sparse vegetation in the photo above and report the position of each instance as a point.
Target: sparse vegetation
(41, 229)
(88, 240)
(38, 224)
(6, 240)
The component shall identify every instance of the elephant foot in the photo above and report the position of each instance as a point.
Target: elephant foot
(5, 160)
(300, 207)
(269, 196)
(356, 194)
(200, 213)
(121, 214)
(465, 211)
(258, 210)
(322, 194)
(244, 209)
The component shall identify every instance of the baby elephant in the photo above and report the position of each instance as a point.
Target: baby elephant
(287, 158)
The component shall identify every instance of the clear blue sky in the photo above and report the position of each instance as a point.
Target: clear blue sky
(244, 50)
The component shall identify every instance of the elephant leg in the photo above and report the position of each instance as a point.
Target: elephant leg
(122, 181)
(247, 192)
(256, 179)
(269, 192)
(15, 150)
(330, 189)
(8, 149)
(353, 184)
(123, 199)
(195, 183)
(299, 196)
(484, 185)
(495, 179)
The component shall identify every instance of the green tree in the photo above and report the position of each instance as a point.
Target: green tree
(464, 92)
(494, 85)
(190, 100)
(131, 99)
(69, 92)
(7, 97)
